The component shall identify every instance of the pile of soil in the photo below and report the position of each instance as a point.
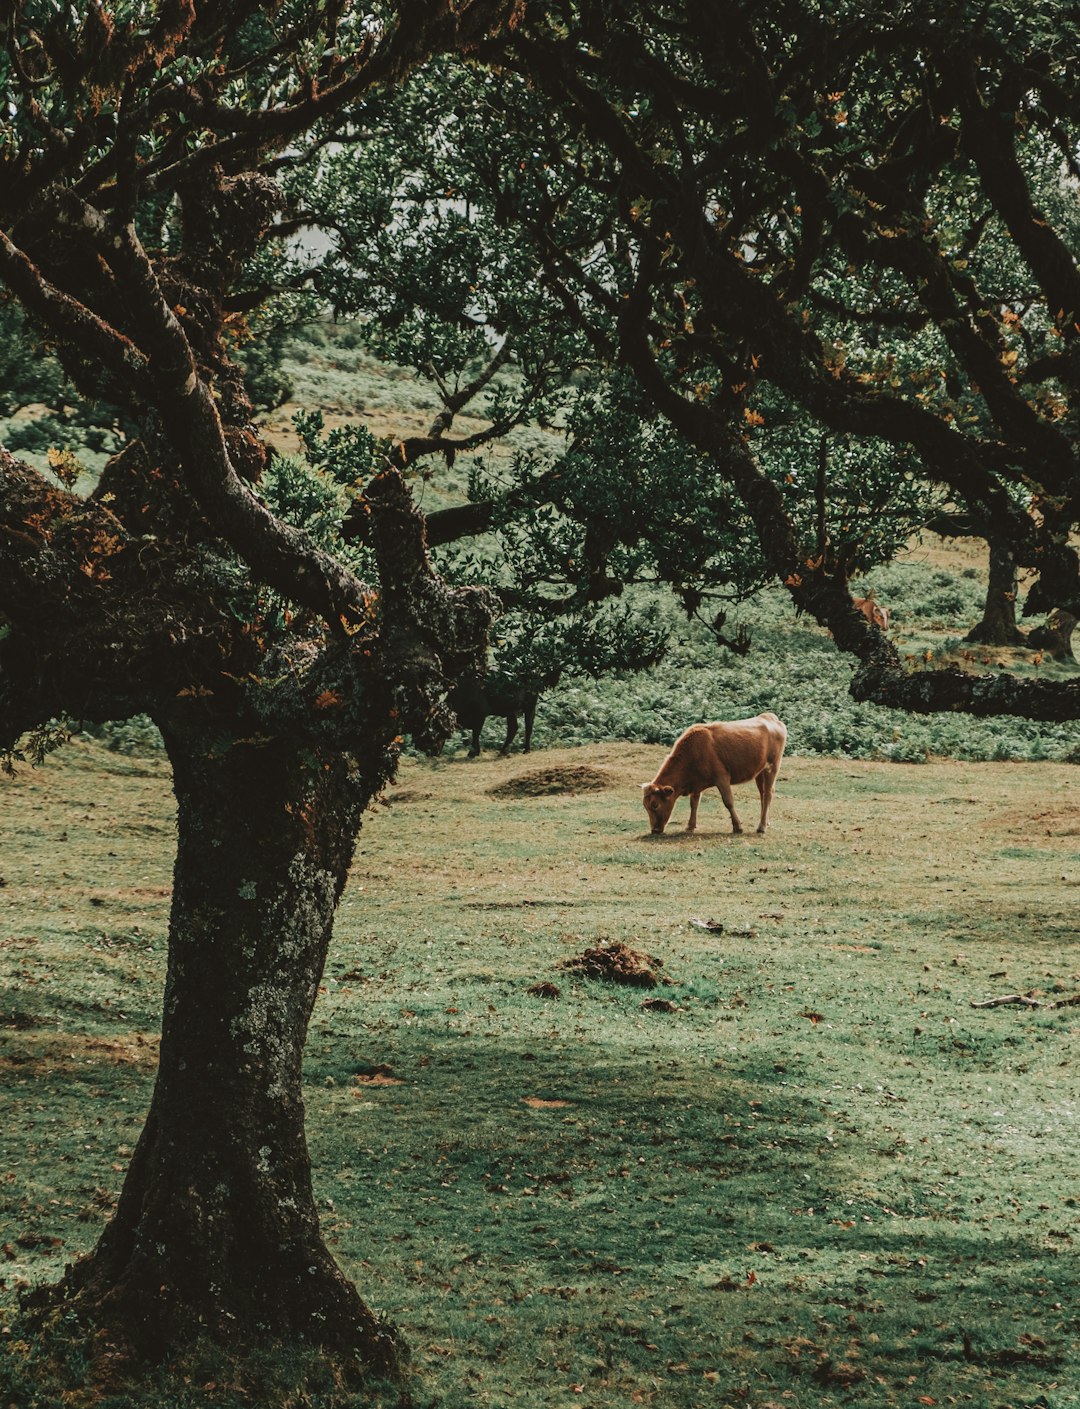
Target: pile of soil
(618, 963)
(660, 1005)
(544, 990)
(542, 782)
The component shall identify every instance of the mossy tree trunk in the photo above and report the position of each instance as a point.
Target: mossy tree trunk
(998, 625)
(216, 1229)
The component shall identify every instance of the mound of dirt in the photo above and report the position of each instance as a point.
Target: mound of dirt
(660, 1005)
(542, 782)
(544, 990)
(618, 963)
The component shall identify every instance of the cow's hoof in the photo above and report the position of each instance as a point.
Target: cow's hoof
(760, 831)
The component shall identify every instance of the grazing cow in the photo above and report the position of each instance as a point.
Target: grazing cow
(716, 756)
(875, 614)
(477, 697)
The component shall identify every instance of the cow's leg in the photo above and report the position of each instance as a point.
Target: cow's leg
(474, 752)
(511, 730)
(530, 715)
(695, 798)
(729, 802)
(765, 780)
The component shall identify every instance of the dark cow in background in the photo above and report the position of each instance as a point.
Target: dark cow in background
(476, 698)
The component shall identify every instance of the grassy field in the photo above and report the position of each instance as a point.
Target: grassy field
(816, 1175)
(810, 1174)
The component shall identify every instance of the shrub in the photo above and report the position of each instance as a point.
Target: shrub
(136, 737)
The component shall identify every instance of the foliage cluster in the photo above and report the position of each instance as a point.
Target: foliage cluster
(42, 415)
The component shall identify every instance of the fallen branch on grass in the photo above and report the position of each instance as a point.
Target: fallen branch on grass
(1007, 998)
(1027, 1001)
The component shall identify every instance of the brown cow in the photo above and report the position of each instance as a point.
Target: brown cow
(716, 756)
(875, 613)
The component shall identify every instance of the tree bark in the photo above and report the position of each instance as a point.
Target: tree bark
(1055, 636)
(998, 626)
(216, 1230)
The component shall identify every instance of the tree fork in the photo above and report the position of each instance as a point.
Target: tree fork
(216, 1231)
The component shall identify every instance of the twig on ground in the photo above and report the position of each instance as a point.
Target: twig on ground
(1007, 998)
(1027, 1001)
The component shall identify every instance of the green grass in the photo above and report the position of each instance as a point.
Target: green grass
(825, 1178)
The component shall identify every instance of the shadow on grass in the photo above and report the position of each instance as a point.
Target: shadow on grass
(548, 1206)
(651, 1212)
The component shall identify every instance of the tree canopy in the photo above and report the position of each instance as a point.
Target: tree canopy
(833, 247)
(788, 186)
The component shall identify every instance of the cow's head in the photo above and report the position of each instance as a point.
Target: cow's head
(875, 613)
(658, 800)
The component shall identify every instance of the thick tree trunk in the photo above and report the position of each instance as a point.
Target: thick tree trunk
(998, 626)
(1055, 636)
(216, 1230)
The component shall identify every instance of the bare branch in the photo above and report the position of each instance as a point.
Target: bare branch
(456, 401)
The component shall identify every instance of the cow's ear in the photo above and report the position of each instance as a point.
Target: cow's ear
(668, 792)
